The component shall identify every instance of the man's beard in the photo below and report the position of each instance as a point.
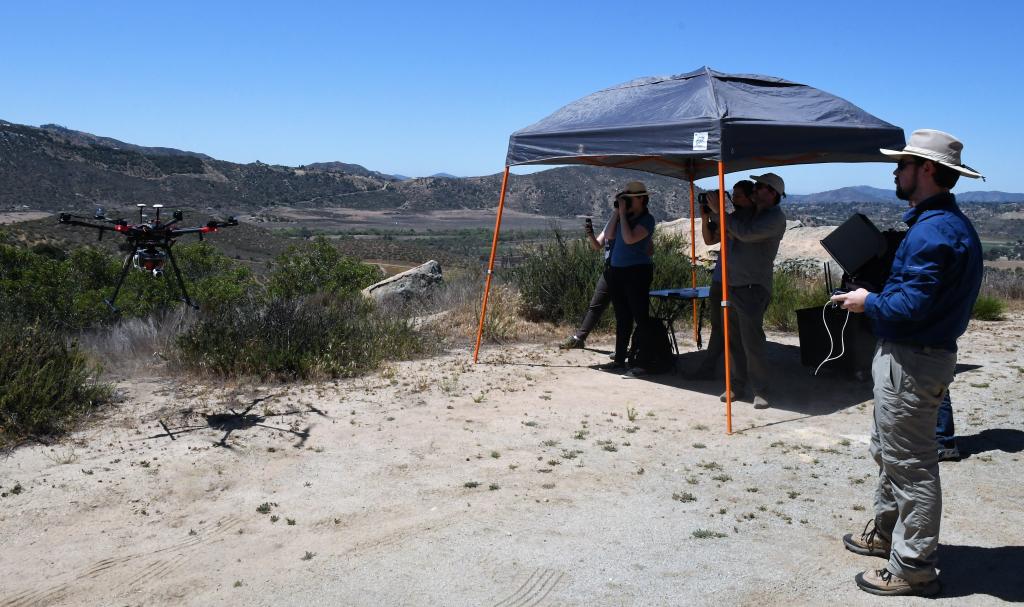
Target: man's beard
(905, 194)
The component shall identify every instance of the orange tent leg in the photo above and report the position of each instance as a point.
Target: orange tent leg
(490, 265)
(693, 258)
(725, 296)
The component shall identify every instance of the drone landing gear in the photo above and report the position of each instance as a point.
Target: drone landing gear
(127, 265)
(128, 261)
(181, 283)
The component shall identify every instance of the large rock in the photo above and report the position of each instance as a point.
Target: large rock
(410, 287)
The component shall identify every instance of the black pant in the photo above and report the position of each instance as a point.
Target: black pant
(598, 304)
(630, 289)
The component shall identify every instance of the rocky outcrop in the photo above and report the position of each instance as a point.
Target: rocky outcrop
(801, 245)
(410, 287)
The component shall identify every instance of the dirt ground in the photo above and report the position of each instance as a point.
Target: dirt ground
(529, 479)
(16, 216)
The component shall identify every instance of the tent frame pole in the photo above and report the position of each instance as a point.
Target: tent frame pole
(693, 259)
(725, 295)
(490, 265)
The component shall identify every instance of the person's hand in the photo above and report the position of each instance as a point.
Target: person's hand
(588, 226)
(852, 301)
(711, 203)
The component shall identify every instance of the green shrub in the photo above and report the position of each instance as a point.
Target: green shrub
(46, 383)
(318, 267)
(323, 336)
(791, 291)
(988, 308)
(556, 279)
(70, 293)
(672, 263)
(213, 280)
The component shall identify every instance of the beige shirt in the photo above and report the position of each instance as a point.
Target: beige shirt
(755, 243)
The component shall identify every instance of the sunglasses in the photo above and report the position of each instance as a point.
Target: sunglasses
(906, 163)
(759, 185)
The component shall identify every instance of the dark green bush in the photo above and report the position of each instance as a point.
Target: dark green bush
(556, 279)
(988, 308)
(322, 336)
(69, 293)
(792, 291)
(318, 267)
(45, 384)
(672, 263)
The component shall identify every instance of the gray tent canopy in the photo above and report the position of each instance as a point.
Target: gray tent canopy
(693, 126)
(682, 125)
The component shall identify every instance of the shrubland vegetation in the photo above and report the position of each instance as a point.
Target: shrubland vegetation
(47, 382)
(556, 279)
(304, 319)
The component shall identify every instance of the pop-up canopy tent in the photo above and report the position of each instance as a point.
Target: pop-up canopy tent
(697, 125)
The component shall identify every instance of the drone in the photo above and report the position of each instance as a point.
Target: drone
(149, 243)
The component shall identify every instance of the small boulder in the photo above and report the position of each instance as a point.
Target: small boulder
(412, 286)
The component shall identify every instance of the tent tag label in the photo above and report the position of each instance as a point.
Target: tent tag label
(700, 142)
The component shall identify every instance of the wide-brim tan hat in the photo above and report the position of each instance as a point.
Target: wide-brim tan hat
(936, 146)
(773, 180)
(634, 188)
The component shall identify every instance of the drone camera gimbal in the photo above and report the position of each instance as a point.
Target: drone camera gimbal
(149, 242)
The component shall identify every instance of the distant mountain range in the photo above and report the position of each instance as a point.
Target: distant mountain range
(54, 168)
(864, 193)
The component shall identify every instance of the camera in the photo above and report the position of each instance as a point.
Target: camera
(702, 200)
(709, 202)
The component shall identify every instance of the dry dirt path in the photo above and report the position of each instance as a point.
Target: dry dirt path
(530, 479)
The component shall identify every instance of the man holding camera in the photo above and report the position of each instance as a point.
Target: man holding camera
(922, 310)
(742, 192)
(754, 242)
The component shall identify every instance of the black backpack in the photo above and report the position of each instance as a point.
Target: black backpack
(651, 349)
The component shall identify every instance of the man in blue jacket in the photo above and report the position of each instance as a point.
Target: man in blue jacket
(918, 316)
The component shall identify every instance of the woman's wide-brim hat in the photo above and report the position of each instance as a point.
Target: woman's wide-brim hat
(634, 188)
(936, 146)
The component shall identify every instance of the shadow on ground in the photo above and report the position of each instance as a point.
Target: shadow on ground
(234, 421)
(795, 388)
(995, 439)
(970, 570)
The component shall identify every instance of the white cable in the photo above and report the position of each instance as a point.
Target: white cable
(831, 342)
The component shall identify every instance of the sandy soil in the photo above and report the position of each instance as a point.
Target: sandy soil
(16, 216)
(529, 479)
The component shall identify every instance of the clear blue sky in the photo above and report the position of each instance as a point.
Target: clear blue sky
(423, 87)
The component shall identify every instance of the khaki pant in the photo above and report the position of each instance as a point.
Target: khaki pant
(910, 382)
(747, 342)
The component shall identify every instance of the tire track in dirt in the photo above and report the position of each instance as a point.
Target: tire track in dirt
(151, 570)
(534, 590)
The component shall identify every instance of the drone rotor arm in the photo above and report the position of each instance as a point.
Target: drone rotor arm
(182, 231)
(73, 220)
